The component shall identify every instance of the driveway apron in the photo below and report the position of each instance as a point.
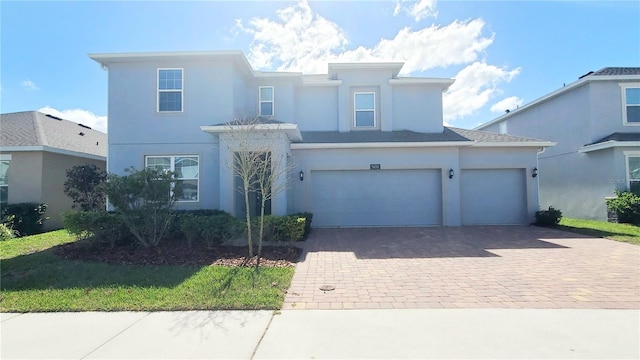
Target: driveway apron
(464, 267)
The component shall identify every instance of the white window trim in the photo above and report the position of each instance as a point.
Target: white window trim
(6, 157)
(158, 91)
(627, 155)
(272, 101)
(355, 110)
(623, 88)
(173, 167)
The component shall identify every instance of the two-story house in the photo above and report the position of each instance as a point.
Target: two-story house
(369, 147)
(596, 124)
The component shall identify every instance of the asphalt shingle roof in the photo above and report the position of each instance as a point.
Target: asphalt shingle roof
(33, 128)
(449, 134)
(618, 136)
(618, 71)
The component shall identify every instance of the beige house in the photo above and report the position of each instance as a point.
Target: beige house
(36, 150)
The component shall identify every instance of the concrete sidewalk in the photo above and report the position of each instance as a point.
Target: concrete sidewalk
(325, 334)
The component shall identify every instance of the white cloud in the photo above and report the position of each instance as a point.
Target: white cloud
(299, 39)
(29, 85)
(418, 10)
(475, 85)
(79, 116)
(509, 103)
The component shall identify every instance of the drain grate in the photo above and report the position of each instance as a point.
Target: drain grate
(327, 287)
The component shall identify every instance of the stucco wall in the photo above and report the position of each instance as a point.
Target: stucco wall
(25, 177)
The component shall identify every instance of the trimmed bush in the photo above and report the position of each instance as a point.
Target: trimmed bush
(627, 206)
(100, 226)
(308, 218)
(289, 228)
(219, 229)
(548, 217)
(25, 218)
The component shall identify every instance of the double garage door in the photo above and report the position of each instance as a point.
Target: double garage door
(414, 197)
(377, 198)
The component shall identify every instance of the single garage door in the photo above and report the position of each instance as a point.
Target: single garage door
(377, 198)
(493, 197)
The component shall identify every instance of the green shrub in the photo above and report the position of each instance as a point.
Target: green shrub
(308, 218)
(219, 229)
(144, 200)
(289, 228)
(100, 226)
(627, 206)
(6, 233)
(84, 185)
(189, 225)
(25, 218)
(548, 217)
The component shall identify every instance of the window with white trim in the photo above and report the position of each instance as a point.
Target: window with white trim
(266, 100)
(364, 108)
(633, 172)
(187, 169)
(631, 104)
(5, 159)
(170, 90)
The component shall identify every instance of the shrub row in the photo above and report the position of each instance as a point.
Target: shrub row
(213, 227)
(548, 217)
(23, 219)
(626, 204)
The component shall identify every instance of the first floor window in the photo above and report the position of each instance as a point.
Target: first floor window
(187, 169)
(266, 100)
(364, 109)
(633, 164)
(170, 90)
(4, 179)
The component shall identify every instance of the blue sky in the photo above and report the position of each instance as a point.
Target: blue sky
(502, 53)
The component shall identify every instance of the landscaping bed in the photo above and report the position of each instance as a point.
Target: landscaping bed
(175, 253)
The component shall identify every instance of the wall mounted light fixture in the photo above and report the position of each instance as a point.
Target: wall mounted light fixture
(450, 173)
(534, 172)
(301, 175)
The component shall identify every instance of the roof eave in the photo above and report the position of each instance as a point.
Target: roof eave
(292, 131)
(608, 145)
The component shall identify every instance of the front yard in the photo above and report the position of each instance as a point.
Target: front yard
(35, 279)
(614, 231)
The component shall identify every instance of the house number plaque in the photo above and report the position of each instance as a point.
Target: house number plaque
(374, 166)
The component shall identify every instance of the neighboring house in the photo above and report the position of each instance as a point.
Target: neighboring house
(596, 124)
(36, 150)
(369, 147)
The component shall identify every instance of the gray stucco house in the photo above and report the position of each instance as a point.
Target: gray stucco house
(596, 124)
(36, 150)
(369, 147)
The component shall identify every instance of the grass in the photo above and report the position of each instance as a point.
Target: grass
(614, 231)
(34, 279)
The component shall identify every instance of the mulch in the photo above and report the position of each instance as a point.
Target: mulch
(178, 253)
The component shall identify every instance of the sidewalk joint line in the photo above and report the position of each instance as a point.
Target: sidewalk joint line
(115, 336)
(273, 314)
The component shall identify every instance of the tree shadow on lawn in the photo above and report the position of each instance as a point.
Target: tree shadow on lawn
(45, 270)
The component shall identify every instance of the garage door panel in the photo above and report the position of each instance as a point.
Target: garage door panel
(493, 196)
(377, 198)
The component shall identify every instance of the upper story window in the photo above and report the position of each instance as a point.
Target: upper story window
(170, 85)
(187, 172)
(266, 101)
(631, 98)
(364, 105)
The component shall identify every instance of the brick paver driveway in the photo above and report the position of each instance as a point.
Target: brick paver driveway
(480, 266)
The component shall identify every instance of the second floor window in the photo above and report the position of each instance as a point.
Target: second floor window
(364, 109)
(170, 90)
(266, 101)
(632, 105)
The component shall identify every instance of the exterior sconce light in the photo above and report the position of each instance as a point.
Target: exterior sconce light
(301, 174)
(534, 172)
(450, 173)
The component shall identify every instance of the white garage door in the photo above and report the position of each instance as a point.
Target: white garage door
(377, 198)
(495, 196)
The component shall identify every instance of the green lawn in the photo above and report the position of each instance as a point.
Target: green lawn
(35, 279)
(620, 232)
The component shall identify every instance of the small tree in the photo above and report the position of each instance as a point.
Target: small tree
(257, 167)
(84, 186)
(144, 200)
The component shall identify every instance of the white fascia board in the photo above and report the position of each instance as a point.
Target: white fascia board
(369, 145)
(325, 82)
(52, 150)
(291, 130)
(537, 144)
(442, 83)
(562, 90)
(395, 67)
(607, 145)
